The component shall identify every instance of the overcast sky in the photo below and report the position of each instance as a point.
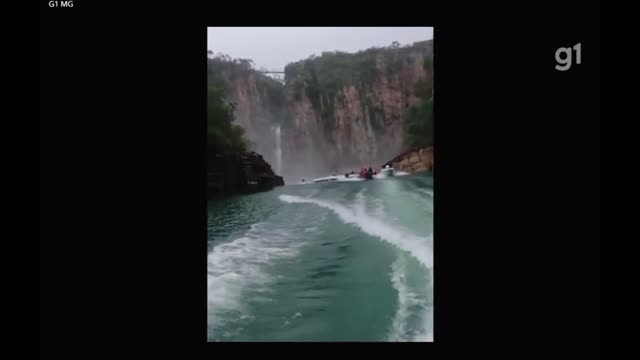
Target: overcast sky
(275, 47)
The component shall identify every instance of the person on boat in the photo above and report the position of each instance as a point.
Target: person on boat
(369, 173)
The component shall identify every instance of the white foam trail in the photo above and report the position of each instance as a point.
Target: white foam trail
(427, 327)
(239, 265)
(430, 193)
(427, 317)
(379, 210)
(409, 300)
(406, 300)
(413, 309)
(418, 246)
(377, 205)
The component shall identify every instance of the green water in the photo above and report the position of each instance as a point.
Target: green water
(323, 262)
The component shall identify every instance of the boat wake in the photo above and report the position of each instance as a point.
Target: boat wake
(414, 314)
(426, 192)
(237, 267)
(409, 323)
(418, 246)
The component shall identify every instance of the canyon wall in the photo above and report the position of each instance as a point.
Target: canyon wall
(347, 110)
(335, 112)
(258, 101)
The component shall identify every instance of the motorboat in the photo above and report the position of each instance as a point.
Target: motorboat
(344, 178)
(387, 171)
(325, 179)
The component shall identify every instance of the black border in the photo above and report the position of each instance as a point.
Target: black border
(518, 151)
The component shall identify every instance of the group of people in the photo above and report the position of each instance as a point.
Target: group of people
(364, 173)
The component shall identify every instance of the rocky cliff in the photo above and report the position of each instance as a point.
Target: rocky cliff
(347, 109)
(259, 103)
(335, 112)
(241, 106)
(415, 160)
(239, 173)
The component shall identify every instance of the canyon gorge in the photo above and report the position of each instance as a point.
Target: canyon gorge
(332, 113)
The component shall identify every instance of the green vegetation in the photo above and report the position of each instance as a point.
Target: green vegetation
(273, 99)
(322, 78)
(271, 90)
(329, 73)
(419, 124)
(419, 119)
(221, 63)
(222, 134)
(423, 88)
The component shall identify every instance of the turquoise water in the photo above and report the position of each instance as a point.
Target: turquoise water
(323, 262)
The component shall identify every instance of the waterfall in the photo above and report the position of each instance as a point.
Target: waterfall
(278, 151)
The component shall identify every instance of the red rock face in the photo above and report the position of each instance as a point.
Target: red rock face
(361, 125)
(363, 132)
(248, 104)
(353, 134)
(252, 112)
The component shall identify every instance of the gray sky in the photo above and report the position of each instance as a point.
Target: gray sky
(275, 47)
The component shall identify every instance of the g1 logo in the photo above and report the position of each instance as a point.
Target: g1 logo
(565, 62)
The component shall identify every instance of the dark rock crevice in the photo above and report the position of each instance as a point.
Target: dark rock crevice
(232, 173)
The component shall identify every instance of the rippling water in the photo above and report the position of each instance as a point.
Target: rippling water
(323, 262)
